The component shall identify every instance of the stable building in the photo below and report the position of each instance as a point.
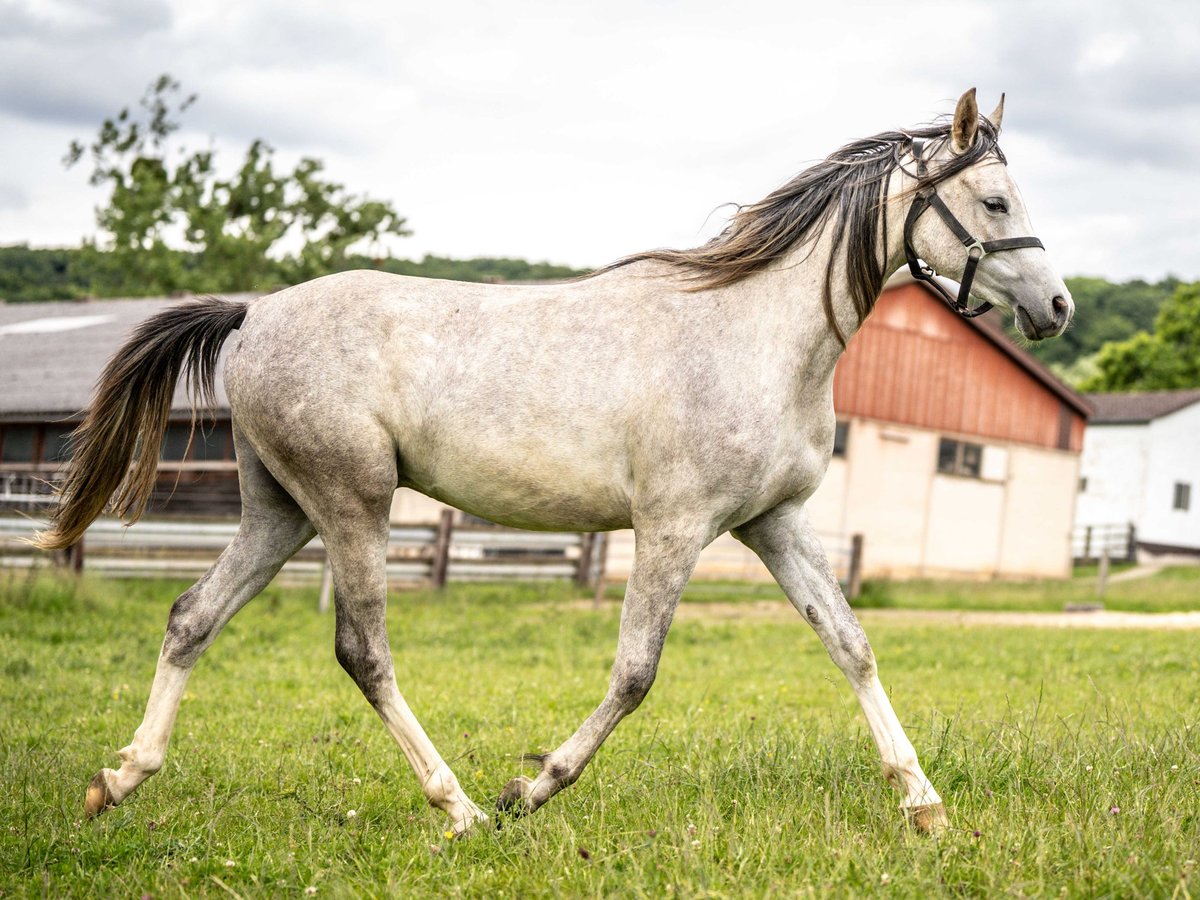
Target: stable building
(51, 355)
(1140, 474)
(959, 451)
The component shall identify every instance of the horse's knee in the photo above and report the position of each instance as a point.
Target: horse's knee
(368, 662)
(189, 627)
(857, 658)
(630, 685)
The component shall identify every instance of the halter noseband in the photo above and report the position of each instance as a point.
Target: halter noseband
(926, 198)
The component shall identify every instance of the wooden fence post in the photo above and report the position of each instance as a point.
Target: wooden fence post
(75, 556)
(600, 552)
(1087, 543)
(1102, 577)
(326, 586)
(587, 548)
(440, 567)
(854, 576)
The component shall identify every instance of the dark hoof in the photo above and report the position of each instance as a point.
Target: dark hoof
(98, 799)
(511, 801)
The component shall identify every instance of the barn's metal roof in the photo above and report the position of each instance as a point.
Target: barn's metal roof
(52, 353)
(1133, 409)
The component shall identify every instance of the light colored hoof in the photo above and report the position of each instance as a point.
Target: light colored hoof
(927, 819)
(98, 798)
(465, 826)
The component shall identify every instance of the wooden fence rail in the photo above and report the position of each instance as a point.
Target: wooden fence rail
(417, 554)
(434, 553)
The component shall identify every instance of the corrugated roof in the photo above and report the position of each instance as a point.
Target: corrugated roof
(52, 353)
(1129, 408)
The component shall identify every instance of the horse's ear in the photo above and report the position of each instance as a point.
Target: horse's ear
(966, 123)
(997, 115)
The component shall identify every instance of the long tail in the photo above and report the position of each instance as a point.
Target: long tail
(128, 415)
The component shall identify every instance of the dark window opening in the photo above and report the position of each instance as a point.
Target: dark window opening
(17, 443)
(959, 458)
(1083, 485)
(841, 436)
(1183, 496)
(57, 446)
(175, 442)
(212, 443)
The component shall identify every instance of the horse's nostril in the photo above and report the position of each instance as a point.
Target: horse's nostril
(1060, 303)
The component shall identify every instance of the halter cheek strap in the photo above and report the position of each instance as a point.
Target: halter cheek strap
(927, 198)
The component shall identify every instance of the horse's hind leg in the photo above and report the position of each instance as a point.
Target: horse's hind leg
(664, 557)
(272, 529)
(357, 545)
(787, 544)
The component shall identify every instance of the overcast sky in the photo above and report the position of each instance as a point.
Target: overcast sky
(577, 132)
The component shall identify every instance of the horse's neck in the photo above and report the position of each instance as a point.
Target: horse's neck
(795, 291)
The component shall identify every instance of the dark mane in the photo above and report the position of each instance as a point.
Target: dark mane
(846, 188)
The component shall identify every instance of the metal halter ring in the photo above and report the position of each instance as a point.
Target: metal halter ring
(927, 197)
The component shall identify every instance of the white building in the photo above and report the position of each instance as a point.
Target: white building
(1141, 467)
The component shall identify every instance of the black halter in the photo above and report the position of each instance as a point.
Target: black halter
(927, 197)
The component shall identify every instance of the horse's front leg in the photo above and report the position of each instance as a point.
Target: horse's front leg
(785, 541)
(664, 557)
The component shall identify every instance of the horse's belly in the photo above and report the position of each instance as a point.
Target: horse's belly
(543, 492)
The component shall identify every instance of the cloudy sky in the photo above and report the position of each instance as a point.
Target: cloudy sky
(578, 132)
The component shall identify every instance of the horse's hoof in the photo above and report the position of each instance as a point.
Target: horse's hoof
(98, 798)
(928, 819)
(467, 825)
(511, 801)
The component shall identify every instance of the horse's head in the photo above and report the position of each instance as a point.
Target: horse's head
(963, 181)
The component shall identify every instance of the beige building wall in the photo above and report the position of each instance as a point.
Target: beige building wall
(411, 508)
(1013, 522)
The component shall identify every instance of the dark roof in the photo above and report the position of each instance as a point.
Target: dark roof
(1129, 409)
(992, 328)
(52, 353)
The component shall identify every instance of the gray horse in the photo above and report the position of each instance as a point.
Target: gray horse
(680, 393)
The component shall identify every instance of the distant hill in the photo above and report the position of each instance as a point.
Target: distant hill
(1105, 311)
(30, 275)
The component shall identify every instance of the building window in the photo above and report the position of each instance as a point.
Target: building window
(959, 458)
(1083, 485)
(16, 443)
(1183, 496)
(841, 435)
(175, 442)
(212, 442)
(57, 447)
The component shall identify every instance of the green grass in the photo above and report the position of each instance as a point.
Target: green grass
(1173, 589)
(748, 771)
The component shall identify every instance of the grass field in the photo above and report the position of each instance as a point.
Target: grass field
(1174, 589)
(1069, 761)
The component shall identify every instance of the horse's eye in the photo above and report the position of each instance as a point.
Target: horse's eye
(996, 205)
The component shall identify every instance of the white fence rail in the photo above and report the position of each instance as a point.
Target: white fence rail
(1090, 542)
(187, 549)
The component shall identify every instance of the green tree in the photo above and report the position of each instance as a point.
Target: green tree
(1105, 312)
(1166, 359)
(172, 221)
